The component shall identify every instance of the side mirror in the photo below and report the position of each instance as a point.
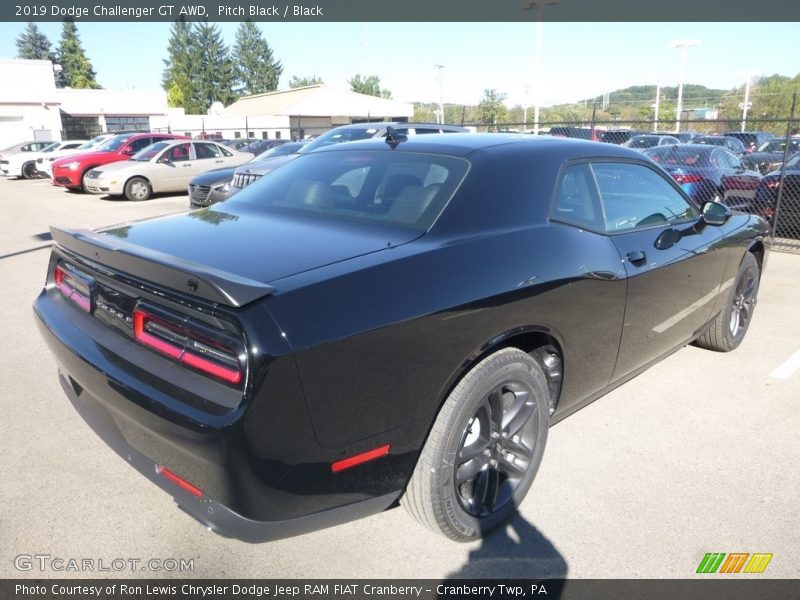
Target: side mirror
(129, 151)
(715, 213)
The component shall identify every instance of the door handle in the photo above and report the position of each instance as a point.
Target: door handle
(187, 164)
(218, 161)
(637, 257)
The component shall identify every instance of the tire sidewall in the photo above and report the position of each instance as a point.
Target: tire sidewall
(748, 262)
(517, 367)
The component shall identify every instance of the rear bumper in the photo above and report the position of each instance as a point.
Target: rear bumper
(211, 514)
(247, 494)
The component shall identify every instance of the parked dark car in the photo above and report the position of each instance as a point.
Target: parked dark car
(788, 224)
(644, 141)
(581, 133)
(619, 136)
(215, 185)
(751, 140)
(707, 172)
(686, 137)
(247, 174)
(388, 320)
(731, 143)
(259, 146)
(769, 156)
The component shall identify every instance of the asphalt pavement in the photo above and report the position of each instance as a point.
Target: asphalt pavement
(699, 454)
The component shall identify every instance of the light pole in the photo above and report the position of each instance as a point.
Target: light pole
(682, 45)
(525, 110)
(658, 98)
(539, 5)
(746, 101)
(441, 104)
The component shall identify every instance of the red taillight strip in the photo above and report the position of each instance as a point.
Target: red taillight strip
(358, 459)
(179, 481)
(188, 358)
(70, 292)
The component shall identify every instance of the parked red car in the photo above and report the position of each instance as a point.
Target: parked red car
(70, 170)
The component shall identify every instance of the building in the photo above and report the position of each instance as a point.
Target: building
(316, 108)
(32, 108)
(223, 126)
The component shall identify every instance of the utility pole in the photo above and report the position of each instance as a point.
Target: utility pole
(746, 102)
(682, 45)
(440, 116)
(658, 98)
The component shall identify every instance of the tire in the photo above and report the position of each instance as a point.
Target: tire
(29, 170)
(729, 327)
(464, 485)
(83, 181)
(137, 189)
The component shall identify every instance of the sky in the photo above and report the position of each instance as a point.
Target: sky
(579, 60)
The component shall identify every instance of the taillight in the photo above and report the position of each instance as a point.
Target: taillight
(772, 184)
(192, 348)
(687, 178)
(179, 481)
(74, 288)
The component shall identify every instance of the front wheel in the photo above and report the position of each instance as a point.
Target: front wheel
(484, 448)
(137, 188)
(29, 170)
(730, 326)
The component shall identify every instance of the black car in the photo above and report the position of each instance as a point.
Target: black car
(708, 172)
(731, 143)
(619, 136)
(751, 140)
(215, 185)
(769, 156)
(788, 222)
(386, 320)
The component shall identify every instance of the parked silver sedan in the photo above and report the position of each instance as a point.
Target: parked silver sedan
(161, 167)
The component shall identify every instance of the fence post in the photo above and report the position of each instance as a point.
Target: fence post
(777, 214)
(594, 111)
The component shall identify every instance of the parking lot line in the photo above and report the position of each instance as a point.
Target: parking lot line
(788, 367)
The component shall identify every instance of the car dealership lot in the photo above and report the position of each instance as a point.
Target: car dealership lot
(696, 455)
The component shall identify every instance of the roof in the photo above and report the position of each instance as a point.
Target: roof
(319, 101)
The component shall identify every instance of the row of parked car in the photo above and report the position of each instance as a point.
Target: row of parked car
(138, 165)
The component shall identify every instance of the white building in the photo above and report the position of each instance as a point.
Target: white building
(262, 127)
(32, 108)
(316, 108)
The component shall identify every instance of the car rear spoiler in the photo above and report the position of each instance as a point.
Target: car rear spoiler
(162, 269)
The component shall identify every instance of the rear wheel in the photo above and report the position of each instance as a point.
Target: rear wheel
(484, 448)
(29, 170)
(137, 188)
(730, 326)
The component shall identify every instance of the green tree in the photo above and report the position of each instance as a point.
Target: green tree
(256, 69)
(178, 77)
(297, 82)
(77, 69)
(32, 44)
(213, 69)
(491, 108)
(370, 85)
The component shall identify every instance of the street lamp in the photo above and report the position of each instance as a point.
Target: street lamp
(440, 117)
(682, 45)
(746, 104)
(539, 5)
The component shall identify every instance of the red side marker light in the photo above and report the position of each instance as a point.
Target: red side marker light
(358, 459)
(179, 481)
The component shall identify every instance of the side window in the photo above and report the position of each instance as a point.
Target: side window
(576, 199)
(26, 148)
(635, 196)
(140, 144)
(178, 153)
(225, 151)
(206, 150)
(727, 160)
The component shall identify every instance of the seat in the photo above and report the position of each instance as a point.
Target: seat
(307, 192)
(394, 186)
(412, 202)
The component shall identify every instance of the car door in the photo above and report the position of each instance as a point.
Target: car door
(671, 284)
(738, 183)
(174, 168)
(207, 156)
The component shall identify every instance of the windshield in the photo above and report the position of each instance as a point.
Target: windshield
(91, 143)
(51, 147)
(779, 146)
(281, 150)
(794, 162)
(680, 156)
(339, 136)
(390, 188)
(114, 143)
(148, 153)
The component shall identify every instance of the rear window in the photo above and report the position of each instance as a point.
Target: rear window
(391, 188)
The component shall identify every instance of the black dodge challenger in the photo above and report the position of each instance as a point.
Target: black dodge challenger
(389, 321)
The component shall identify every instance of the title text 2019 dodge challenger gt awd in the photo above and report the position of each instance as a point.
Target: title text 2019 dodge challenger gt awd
(388, 321)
